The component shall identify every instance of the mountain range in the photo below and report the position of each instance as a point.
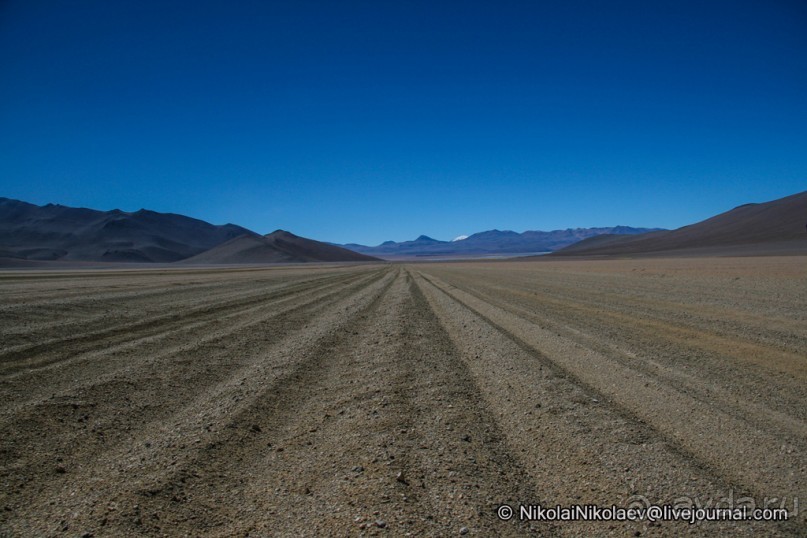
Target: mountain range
(32, 234)
(279, 246)
(492, 243)
(775, 227)
(69, 234)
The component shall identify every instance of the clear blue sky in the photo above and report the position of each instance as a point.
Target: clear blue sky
(368, 121)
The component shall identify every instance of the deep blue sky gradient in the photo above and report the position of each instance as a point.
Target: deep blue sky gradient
(368, 121)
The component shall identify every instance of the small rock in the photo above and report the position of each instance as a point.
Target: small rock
(380, 523)
(255, 428)
(358, 469)
(464, 530)
(400, 478)
(466, 438)
(60, 469)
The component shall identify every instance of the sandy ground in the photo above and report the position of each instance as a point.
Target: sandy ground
(401, 399)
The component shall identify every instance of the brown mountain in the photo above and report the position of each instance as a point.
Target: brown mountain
(56, 232)
(276, 247)
(776, 227)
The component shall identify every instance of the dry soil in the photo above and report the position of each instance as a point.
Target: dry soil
(400, 399)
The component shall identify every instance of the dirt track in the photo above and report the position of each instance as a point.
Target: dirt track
(400, 399)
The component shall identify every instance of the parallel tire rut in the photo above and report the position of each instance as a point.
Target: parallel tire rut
(401, 400)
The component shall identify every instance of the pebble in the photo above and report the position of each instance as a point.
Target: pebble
(380, 523)
(464, 530)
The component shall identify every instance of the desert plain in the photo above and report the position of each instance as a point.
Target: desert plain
(401, 399)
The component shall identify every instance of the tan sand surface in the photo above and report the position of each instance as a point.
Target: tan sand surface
(400, 399)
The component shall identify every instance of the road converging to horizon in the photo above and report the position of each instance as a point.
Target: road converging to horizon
(391, 398)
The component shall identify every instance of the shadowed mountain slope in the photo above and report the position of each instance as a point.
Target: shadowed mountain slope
(276, 247)
(57, 232)
(777, 226)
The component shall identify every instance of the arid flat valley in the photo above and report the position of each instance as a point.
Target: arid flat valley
(401, 399)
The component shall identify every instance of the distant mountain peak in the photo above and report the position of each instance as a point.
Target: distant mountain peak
(279, 246)
(280, 233)
(59, 232)
(490, 242)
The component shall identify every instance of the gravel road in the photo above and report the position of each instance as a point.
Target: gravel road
(401, 399)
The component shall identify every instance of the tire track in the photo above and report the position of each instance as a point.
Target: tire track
(689, 330)
(13, 360)
(732, 302)
(779, 340)
(45, 313)
(325, 449)
(381, 400)
(56, 320)
(734, 396)
(696, 429)
(110, 364)
(160, 434)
